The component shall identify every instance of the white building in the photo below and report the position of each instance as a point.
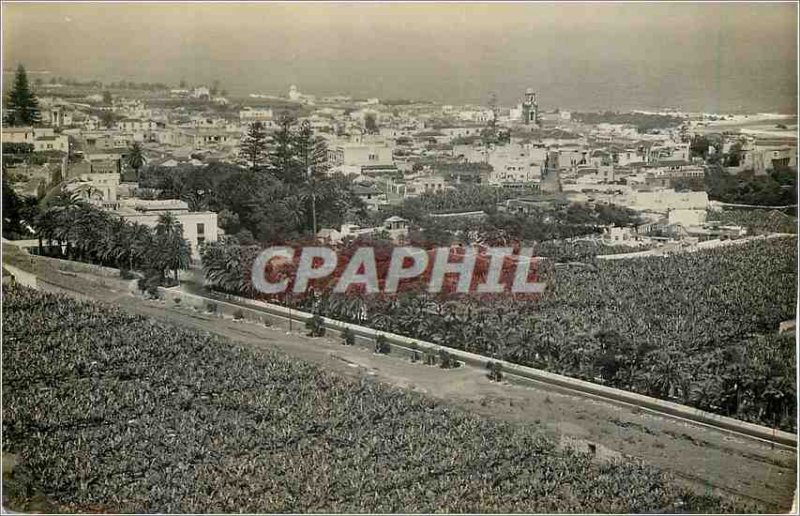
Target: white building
(198, 226)
(348, 157)
(370, 195)
(101, 188)
(56, 116)
(476, 115)
(516, 164)
(136, 125)
(764, 156)
(395, 227)
(201, 92)
(462, 131)
(249, 115)
(42, 138)
(423, 184)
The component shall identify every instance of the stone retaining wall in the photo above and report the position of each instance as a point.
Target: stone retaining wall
(404, 346)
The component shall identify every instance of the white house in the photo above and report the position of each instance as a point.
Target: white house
(99, 187)
(249, 115)
(515, 164)
(136, 125)
(198, 226)
(396, 227)
(425, 184)
(353, 155)
(42, 138)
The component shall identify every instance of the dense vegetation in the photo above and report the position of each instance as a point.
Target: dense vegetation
(696, 328)
(253, 205)
(777, 188)
(89, 234)
(19, 213)
(547, 222)
(272, 200)
(559, 221)
(463, 198)
(110, 412)
(21, 105)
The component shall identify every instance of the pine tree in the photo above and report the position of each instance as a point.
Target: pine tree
(311, 153)
(282, 157)
(21, 106)
(254, 145)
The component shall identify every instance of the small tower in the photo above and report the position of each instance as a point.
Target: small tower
(530, 109)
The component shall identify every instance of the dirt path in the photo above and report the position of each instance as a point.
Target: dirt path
(714, 461)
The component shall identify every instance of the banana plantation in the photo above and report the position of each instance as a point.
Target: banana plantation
(700, 329)
(108, 412)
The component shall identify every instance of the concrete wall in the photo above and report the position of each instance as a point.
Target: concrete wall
(259, 311)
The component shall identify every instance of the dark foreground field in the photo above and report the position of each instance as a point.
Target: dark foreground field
(111, 412)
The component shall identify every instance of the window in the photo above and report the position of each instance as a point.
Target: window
(201, 229)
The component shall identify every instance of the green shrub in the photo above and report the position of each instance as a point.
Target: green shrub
(415, 356)
(348, 337)
(150, 282)
(176, 300)
(429, 358)
(211, 307)
(238, 315)
(382, 345)
(495, 371)
(446, 360)
(316, 326)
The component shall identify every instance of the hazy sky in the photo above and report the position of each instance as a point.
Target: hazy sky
(576, 56)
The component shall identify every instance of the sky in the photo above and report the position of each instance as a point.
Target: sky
(729, 57)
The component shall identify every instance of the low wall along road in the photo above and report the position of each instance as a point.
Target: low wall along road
(259, 311)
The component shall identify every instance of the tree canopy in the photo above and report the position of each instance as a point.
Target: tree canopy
(254, 145)
(22, 107)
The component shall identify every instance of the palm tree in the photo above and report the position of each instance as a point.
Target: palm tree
(110, 248)
(171, 251)
(87, 231)
(168, 224)
(46, 224)
(58, 212)
(295, 208)
(140, 238)
(135, 158)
